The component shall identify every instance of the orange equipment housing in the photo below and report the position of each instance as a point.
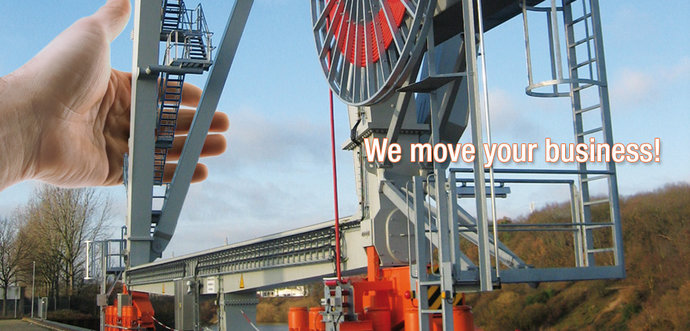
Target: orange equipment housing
(138, 316)
(383, 302)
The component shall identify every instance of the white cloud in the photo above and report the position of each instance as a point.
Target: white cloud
(633, 86)
(274, 177)
(510, 117)
(256, 138)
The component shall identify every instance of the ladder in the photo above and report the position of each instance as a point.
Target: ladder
(587, 87)
(432, 271)
(591, 119)
(436, 269)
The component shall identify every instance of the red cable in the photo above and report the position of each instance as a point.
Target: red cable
(335, 194)
(335, 179)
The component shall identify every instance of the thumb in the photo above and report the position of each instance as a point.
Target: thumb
(114, 16)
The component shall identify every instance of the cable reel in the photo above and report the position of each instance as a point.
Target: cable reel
(367, 48)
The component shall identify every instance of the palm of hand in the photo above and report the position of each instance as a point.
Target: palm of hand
(81, 106)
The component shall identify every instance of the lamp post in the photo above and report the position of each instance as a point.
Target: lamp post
(33, 283)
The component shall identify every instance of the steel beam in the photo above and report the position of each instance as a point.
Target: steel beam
(270, 261)
(478, 142)
(142, 124)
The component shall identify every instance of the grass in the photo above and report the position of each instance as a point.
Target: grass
(654, 296)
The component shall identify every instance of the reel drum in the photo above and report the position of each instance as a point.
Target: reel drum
(366, 48)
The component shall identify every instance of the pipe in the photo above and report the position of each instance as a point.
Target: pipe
(485, 86)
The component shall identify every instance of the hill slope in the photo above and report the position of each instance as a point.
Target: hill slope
(654, 296)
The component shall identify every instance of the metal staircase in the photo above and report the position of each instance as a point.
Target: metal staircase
(170, 97)
(187, 50)
(171, 20)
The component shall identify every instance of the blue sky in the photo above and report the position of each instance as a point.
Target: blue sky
(276, 173)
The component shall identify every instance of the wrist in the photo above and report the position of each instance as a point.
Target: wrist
(19, 131)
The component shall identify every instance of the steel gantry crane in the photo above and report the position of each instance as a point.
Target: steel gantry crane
(409, 72)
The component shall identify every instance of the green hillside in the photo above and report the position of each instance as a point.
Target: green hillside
(654, 296)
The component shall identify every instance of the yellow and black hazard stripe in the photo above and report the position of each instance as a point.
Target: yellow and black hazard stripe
(436, 296)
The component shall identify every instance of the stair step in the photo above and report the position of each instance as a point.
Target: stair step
(164, 143)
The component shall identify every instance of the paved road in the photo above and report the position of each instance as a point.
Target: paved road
(19, 325)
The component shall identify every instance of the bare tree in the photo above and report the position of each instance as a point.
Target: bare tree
(13, 250)
(60, 221)
(43, 251)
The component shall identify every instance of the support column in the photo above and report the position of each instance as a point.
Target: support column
(187, 304)
(486, 282)
(237, 311)
(139, 179)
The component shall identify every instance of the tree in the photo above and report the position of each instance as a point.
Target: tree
(13, 250)
(59, 222)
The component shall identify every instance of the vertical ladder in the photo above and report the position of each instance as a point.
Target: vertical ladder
(591, 119)
(421, 280)
(439, 221)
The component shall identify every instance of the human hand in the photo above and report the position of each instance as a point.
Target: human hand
(66, 112)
